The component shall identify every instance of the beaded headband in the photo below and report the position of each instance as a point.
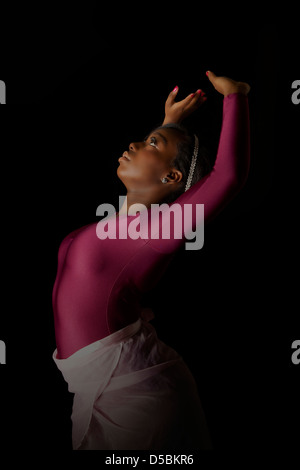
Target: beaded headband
(193, 164)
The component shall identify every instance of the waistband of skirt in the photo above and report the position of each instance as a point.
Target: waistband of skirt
(115, 338)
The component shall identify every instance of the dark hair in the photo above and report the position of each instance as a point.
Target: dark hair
(182, 161)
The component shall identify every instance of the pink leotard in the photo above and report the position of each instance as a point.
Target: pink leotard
(100, 283)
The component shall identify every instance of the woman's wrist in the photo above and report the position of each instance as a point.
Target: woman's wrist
(169, 120)
(241, 87)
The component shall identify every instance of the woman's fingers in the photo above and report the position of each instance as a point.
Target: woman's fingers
(200, 96)
(220, 84)
(171, 98)
(192, 102)
(176, 111)
(211, 76)
(196, 98)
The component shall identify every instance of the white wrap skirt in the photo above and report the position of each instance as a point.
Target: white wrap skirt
(132, 391)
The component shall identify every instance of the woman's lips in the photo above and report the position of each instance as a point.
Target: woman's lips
(125, 157)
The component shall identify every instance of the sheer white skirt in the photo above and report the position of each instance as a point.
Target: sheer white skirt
(132, 391)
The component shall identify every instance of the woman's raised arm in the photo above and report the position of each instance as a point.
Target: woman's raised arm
(231, 167)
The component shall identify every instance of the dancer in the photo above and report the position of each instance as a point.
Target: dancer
(132, 391)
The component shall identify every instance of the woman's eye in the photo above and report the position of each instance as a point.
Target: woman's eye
(153, 142)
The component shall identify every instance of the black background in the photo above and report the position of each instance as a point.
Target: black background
(93, 80)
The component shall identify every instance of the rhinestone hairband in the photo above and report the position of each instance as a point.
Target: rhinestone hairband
(193, 164)
(192, 167)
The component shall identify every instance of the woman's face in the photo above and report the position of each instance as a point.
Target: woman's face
(145, 163)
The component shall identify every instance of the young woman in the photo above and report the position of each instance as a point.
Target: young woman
(132, 391)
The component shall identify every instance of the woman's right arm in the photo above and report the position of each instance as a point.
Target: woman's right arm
(231, 167)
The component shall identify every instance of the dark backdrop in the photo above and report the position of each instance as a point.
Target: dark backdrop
(93, 81)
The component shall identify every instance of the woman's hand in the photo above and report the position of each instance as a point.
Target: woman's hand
(176, 112)
(226, 86)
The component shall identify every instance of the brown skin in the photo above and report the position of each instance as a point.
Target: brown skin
(150, 161)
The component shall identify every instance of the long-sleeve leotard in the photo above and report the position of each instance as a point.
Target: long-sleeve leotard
(100, 283)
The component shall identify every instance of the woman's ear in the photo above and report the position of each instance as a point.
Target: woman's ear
(175, 176)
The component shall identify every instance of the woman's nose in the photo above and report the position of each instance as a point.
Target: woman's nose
(133, 146)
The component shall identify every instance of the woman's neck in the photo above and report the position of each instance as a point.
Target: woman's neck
(130, 206)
